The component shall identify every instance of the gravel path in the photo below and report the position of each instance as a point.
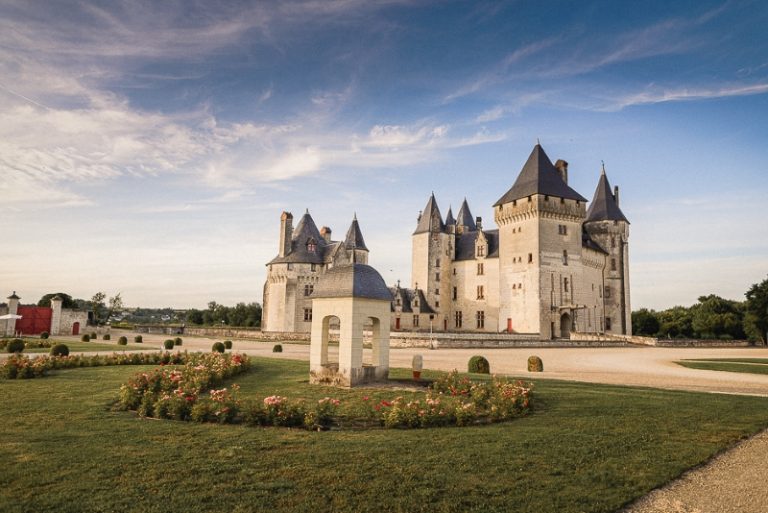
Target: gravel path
(733, 482)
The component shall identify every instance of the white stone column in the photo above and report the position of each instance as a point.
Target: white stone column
(55, 328)
(13, 308)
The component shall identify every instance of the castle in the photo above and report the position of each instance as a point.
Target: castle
(552, 267)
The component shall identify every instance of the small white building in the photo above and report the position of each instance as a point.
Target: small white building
(353, 295)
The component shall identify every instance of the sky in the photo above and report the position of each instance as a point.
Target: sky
(148, 148)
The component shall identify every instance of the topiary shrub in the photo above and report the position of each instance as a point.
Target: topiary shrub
(168, 344)
(138, 339)
(228, 344)
(177, 341)
(106, 336)
(218, 347)
(94, 336)
(277, 348)
(479, 365)
(15, 346)
(535, 364)
(85, 338)
(44, 335)
(60, 350)
(123, 341)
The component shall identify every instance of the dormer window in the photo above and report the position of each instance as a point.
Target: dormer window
(311, 245)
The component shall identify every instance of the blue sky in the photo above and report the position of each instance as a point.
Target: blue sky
(149, 148)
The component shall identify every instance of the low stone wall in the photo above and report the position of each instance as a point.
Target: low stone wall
(603, 337)
(685, 342)
(488, 340)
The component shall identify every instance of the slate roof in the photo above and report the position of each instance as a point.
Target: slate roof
(406, 298)
(588, 242)
(465, 218)
(13, 296)
(465, 244)
(354, 238)
(431, 213)
(304, 233)
(352, 280)
(539, 176)
(604, 206)
(449, 220)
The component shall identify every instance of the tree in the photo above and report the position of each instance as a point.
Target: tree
(756, 318)
(97, 306)
(115, 304)
(676, 322)
(645, 322)
(67, 302)
(715, 317)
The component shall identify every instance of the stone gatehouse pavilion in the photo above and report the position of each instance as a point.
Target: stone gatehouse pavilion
(554, 264)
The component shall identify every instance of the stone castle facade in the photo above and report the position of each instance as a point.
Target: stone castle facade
(552, 267)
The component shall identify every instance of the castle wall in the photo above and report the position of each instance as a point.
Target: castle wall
(466, 279)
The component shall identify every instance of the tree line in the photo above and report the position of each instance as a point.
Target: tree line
(712, 317)
(242, 314)
(111, 309)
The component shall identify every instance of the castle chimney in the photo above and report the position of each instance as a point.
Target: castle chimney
(479, 223)
(326, 233)
(286, 232)
(616, 194)
(562, 168)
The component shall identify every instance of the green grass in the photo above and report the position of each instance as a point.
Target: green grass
(726, 366)
(587, 448)
(732, 360)
(75, 347)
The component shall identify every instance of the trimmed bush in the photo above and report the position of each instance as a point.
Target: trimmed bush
(168, 344)
(60, 350)
(535, 364)
(123, 341)
(15, 346)
(106, 336)
(94, 336)
(44, 335)
(277, 348)
(228, 344)
(138, 339)
(479, 365)
(177, 341)
(85, 338)
(217, 347)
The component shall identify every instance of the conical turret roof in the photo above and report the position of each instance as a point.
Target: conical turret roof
(449, 220)
(604, 206)
(306, 229)
(430, 218)
(539, 176)
(465, 218)
(354, 238)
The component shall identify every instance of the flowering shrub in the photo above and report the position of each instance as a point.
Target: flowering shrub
(16, 367)
(172, 392)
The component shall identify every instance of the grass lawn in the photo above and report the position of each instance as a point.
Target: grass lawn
(763, 361)
(78, 346)
(587, 448)
(737, 365)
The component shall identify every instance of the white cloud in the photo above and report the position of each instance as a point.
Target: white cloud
(661, 95)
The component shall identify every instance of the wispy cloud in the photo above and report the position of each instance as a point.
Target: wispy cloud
(661, 95)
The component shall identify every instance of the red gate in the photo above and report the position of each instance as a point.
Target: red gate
(34, 320)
